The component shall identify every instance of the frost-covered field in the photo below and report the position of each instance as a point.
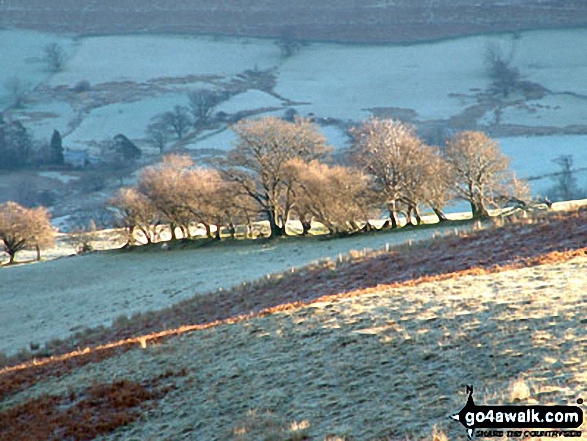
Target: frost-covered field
(130, 119)
(346, 366)
(21, 53)
(433, 85)
(54, 299)
(144, 58)
(533, 156)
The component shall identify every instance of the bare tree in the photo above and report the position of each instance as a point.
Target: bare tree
(392, 153)
(565, 187)
(15, 145)
(288, 46)
(257, 164)
(22, 228)
(480, 170)
(136, 213)
(202, 104)
(214, 200)
(17, 90)
(54, 57)
(437, 189)
(158, 135)
(336, 196)
(164, 186)
(177, 120)
(505, 78)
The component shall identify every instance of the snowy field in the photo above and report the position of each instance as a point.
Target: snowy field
(428, 82)
(95, 289)
(344, 81)
(533, 156)
(131, 119)
(144, 58)
(21, 55)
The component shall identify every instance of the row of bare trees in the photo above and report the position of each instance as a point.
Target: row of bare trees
(178, 122)
(280, 170)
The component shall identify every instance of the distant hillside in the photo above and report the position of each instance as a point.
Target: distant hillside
(334, 20)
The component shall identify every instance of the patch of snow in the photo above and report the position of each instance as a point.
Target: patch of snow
(341, 81)
(337, 137)
(557, 59)
(21, 56)
(220, 141)
(42, 118)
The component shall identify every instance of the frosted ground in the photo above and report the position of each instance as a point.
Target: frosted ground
(533, 156)
(20, 55)
(92, 290)
(136, 77)
(95, 289)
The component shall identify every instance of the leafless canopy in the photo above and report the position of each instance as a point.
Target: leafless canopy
(481, 171)
(338, 197)
(404, 169)
(258, 163)
(22, 228)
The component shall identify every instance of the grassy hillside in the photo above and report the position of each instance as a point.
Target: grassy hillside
(388, 359)
(97, 289)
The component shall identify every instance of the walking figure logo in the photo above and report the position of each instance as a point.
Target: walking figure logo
(518, 417)
(469, 407)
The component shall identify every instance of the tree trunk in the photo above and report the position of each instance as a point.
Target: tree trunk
(392, 217)
(417, 215)
(217, 236)
(354, 225)
(208, 230)
(173, 234)
(409, 216)
(282, 225)
(38, 250)
(367, 228)
(439, 214)
(273, 226)
(306, 227)
(479, 209)
(474, 209)
(232, 230)
(12, 255)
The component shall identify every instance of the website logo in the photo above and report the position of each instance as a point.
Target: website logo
(475, 418)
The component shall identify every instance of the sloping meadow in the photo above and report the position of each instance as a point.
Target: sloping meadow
(384, 361)
(391, 364)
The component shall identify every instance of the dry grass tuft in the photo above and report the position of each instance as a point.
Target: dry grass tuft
(519, 391)
(438, 435)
